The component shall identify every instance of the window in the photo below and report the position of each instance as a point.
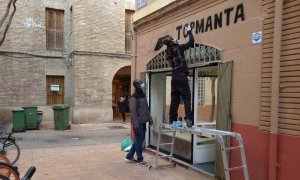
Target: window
(201, 91)
(55, 89)
(54, 30)
(128, 35)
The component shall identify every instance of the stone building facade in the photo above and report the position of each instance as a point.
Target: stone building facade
(93, 51)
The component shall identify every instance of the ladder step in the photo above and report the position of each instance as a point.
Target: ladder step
(232, 148)
(163, 144)
(162, 156)
(166, 131)
(236, 168)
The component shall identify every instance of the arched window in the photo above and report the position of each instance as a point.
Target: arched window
(200, 55)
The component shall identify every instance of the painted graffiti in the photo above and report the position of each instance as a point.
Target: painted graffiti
(30, 22)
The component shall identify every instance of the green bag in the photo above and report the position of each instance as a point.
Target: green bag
(125, 144)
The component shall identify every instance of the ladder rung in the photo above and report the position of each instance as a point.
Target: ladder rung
(167, 131)
(162, 156)
(236, 168)
(163, 144)
(234, 147)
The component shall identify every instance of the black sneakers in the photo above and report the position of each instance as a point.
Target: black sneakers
(132, 160)
(189, 123)
(143, 163)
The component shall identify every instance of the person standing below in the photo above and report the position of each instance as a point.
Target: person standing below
(140, 115)
(179, 83)
(122, 107)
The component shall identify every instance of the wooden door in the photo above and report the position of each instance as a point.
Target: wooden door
(55, 89)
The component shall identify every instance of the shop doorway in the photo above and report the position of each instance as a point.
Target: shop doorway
(121, 88)
(210, 83)
(205, 111)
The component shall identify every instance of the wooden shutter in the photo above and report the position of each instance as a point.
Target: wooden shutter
(50, 30)
(267, 56)
(223, 111)
(55, 29)
(289, 96)
(59, 30)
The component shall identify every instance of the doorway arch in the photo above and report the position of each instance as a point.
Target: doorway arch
(120, 87)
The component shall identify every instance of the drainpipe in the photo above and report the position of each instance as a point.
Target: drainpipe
(273, 162)
(133, 57)
(133, 66)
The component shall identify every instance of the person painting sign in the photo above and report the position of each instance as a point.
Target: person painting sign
(179, 83)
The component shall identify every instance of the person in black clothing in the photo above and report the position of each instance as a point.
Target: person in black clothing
(179, 83)
(122, 107)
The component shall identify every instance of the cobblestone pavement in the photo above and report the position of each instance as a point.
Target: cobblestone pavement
(89, 151)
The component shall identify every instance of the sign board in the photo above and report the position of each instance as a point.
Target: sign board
(141, 3)
(54, 87)
(256, 37)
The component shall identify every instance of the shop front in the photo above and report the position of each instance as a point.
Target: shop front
(210, 84)
(224, 72)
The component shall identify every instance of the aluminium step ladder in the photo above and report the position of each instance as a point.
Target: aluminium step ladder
(161, 131)
(217, 134)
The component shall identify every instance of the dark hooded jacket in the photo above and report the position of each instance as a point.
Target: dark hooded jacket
(175, 55)
(139, 109)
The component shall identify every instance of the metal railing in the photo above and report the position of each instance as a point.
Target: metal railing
(200, 55)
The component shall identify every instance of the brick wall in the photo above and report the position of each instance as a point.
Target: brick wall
(99, 25)
(99, 39)
(93, 77)
(94, 34)
(24, 60)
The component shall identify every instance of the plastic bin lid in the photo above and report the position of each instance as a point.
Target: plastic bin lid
(60, 106)
(17, 109)
(30, 106)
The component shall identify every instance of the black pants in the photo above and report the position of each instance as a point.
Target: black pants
(123, 116)
(180, 87)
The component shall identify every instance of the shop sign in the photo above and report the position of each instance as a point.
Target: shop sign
(256, 37)
(217, 21)
(141, 3)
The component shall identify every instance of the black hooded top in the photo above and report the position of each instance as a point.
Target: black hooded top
(175, 53)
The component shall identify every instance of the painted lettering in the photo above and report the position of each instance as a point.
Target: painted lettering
(208, 24)
(184, 31)
(214, 21)
(218, 20)
(239, 13)
(200, 26)
(227, 12)
(178, 28)
(192, 24)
